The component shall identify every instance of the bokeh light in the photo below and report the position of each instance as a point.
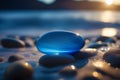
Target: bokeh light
(109, 32)
(109, 2)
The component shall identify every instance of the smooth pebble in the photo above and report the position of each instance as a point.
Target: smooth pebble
(60, 42)
(86, 53)
(12, 43)
(113, 57)
(2, 59)
(106, 39)
(19, 70)
(68, 71)
(15, 57)
(55, 60)
(97, 45)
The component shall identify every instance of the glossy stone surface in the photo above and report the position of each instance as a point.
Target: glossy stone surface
(19, 70)
(86, 53)
(60, 42)
(29, 43)
(90, 78)
(12, 43)
(106, 39)
(2, 59)
(96, 45)
(15, 57)
(69, 71)
(113, 57)
(55, 60)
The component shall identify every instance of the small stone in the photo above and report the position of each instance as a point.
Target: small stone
(29, 43)
(96, 45)
(60, 42)
(113, 57)
(69, 71)
(55, 60)
(90, 78)
(117, 37)
(15, 57)
(19, 70)
(86, 53)
(1, 59)
(12, 43)
(106, 39)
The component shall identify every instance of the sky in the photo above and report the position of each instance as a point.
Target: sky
(109, 2)
(117, 2)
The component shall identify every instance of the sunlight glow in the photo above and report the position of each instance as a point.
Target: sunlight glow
(106, 16)
(109, 2)
(73, 67)
(109, 32)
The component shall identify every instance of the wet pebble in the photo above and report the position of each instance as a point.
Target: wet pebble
(12, 43)
(19, 71)
(55, 60)
(86, 53)
(113, 57)
(2, 59)
(106, 39)
(29, 43)
(90, 78)
(60, 42)
(15, 57)
(68, 71)
(97, 45)
(117, 37)
(24, 38)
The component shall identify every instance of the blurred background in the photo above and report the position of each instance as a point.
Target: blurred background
(33, 17)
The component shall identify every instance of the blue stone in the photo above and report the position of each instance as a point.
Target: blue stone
(60, 42)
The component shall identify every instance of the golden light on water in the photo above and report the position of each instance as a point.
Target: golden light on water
(109, 32)
(107, 16)
(109, 2)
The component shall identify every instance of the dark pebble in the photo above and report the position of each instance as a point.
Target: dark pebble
(24, 38)
(19, 71)
(86, 53)
(15, 57)
(2, 59)
(12, 43)
(113, 57)
(69, 71)
(55, 60)
(90, 78)
(88, 38)
(96, 45)
(29, 43)
(117, 37)
(106, 39)
(110, 40)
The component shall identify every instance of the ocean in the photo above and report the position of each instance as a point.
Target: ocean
(37, 22)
